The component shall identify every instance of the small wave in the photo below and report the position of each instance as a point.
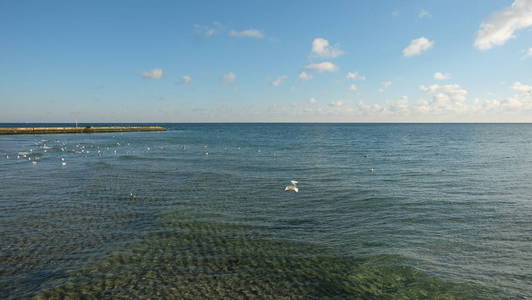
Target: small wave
(138, 157)
(100, 165)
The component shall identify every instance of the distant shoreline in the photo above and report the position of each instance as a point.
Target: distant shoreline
(84, 129)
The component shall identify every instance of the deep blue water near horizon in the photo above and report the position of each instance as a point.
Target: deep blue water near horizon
(199, 211)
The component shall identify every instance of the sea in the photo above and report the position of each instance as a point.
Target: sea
(200, 211)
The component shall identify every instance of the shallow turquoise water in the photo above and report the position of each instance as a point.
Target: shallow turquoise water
(200, 211)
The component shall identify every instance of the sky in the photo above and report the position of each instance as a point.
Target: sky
(266, 61)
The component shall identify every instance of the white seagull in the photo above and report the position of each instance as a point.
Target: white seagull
(292, 187)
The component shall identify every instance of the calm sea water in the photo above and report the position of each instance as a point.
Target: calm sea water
(199, 211)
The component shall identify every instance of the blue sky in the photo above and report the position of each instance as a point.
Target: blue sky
(246, 61)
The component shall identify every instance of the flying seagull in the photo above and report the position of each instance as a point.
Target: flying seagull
(292, 187)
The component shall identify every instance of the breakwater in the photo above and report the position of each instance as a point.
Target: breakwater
(86, 129)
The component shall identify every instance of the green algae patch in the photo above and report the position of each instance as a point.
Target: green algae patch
(193, 259)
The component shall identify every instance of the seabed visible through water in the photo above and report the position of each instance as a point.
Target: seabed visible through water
(195, 259)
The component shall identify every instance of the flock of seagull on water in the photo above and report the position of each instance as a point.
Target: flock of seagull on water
(34, 156)
(80, 149)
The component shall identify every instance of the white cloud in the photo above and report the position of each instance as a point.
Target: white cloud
(450, 97)
(217, 27)
(336, 103)
(452, 89)
(518, 86)
(353, 87)
(503, 25)
(354, 76)
(439, 103)
(372, 109)
(528, 53)
(186, 79)
(304, 76)
(417, 46)
(229, 77)
(449, 102)
(325, 66)
(520, 103)
(321, 48)
(384, 85)
(442, 76)
(208, 31)
(249, 33)
(423, 13)
(400, 105)
(153, 74)
(279, 80)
